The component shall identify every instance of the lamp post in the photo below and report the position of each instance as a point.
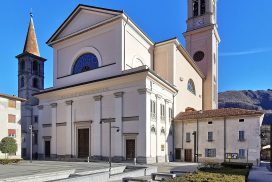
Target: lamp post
(30, 129)
(110, 120)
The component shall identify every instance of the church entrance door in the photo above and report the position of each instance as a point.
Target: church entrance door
(130, 149)
(47, 148)
(188, 155)
(83, 142)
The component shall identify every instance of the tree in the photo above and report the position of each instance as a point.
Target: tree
(8, 145)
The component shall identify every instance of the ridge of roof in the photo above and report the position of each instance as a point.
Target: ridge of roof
(226, 112)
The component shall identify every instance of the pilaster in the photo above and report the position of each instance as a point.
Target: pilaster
(118, 136)
(69, 128)
(143, 139)
(158, 127)
(96, 129)
(40, 133)
(54, 130)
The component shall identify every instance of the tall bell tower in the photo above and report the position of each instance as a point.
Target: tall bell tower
(202, 40)
(30, 81)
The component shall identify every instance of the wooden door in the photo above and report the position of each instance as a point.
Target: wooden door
(83, 143)
(178, 154)
(47, 148)
(130, 149)
(188, 155)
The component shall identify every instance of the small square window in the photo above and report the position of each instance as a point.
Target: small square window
(241, 120)
(210, 122)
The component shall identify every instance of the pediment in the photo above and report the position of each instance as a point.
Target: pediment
(82, 18)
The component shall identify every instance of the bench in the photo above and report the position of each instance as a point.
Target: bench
(163, 176)
(178, 172)
(130, 179)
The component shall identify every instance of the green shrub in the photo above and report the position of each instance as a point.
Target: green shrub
(237, 165)
(8, 145)
(9, 161)
(209, 177)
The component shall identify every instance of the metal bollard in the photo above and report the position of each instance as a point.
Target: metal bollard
(135, 161)
(88, 159)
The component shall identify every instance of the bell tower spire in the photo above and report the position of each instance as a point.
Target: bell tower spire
(31, 43)
(30, 81)
(202, 40)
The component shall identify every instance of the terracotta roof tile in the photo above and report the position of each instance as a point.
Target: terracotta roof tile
(216, 113)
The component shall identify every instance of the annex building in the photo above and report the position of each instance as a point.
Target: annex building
(115, 92)
(10, 122)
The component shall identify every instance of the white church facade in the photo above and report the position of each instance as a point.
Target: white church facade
(115, 92)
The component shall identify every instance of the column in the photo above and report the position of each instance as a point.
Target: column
(54, 130)
(158, 128)
(96, 137)
(117, 142)
(143, 139)
(40, 133)
(167, 128)
(69, 125)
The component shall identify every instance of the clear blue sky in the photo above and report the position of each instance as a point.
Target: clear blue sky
(244, 25)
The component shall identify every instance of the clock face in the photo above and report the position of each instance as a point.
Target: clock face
(198, 56)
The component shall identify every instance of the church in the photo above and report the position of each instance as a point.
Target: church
(115, 92)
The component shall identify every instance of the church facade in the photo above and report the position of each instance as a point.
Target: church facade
(115, 92)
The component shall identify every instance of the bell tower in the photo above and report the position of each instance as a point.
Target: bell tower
(30, 81)
(202, 40)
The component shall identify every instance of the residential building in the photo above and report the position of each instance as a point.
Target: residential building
(211, 135)
(10, 121)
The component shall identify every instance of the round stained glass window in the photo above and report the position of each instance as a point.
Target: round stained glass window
(198, 56)
(85, 62)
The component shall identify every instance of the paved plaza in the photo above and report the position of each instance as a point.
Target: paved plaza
(26, 168)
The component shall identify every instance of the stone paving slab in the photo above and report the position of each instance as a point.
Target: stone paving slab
(260, 173)
(26, 168)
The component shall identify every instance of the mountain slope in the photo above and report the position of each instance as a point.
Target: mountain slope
(247, 99)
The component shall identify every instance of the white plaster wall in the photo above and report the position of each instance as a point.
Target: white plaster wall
(138, 52)
(171, 65)
(84, 19)
(4, 111)
(251, 126)
(106, 40)
(184, 98)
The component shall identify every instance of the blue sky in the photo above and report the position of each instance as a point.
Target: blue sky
(245, 28)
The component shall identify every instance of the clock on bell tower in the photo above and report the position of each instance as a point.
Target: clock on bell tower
(202, 40)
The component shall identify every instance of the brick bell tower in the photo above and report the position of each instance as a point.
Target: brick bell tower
(202, 40)
(30, 81)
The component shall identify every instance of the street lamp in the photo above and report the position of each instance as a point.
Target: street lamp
(110, 120)
(30, 129)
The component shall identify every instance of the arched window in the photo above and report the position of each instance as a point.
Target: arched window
(191, 86)
(22, 82)
(22, 65)
(35, 83)
(35, 66)
(202, 7)
(195, 7)
(85, 62)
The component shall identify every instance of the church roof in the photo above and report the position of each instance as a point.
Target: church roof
(217, 113)
(31, 44)
(12, 97)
